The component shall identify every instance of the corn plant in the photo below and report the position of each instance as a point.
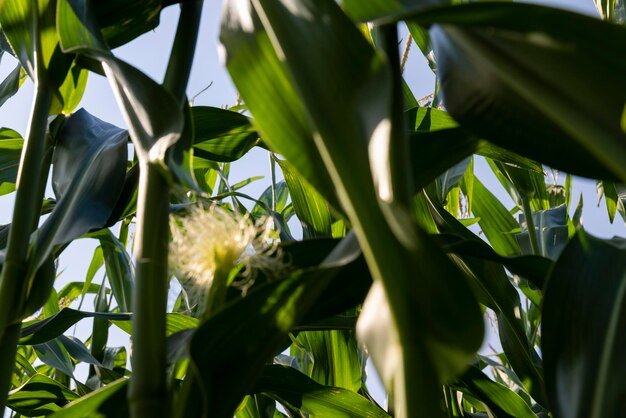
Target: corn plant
(405, 252)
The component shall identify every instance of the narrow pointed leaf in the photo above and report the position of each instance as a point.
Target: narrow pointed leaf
(39, 332)
(501, 401)
(221, 135)
(10, 150)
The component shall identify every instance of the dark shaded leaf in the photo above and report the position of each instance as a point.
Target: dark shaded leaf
(10, 151)
(10, 85)
(524, 62)
(153, 115)
(371, 9)
(53, 354)
(221, 135)
(40, 395)
(108, 401)
(501, 401)
(230, 353)
(39, 332)
(89, 168)
(583, 338)
(289, 386)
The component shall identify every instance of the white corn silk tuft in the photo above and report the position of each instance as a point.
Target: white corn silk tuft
(212, 240)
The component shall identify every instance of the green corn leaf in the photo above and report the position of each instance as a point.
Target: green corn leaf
(526, 62)
(279, 115)
(368, 10)
(11, 144)
(30, 29)
(335, 358)
(153, 115)
(501, 401)
(289, 386)
(119, 268)
(348, 114)
(38, 332)
(89, 167)
(40, 395)
(311, 208)
(496, 222)
(583, 336)
(225, 346)
(10, 85)
(109, 401)
(221, 135)
(54, 354)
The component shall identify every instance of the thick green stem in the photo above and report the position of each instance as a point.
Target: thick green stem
(530, 225)
(26, 208)
(183, 50)
(147, 392)
(8, 348)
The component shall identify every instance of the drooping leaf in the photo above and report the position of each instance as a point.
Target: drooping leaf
(537, 61)
(54, 354)
(287, 385)
(154, 117)
(583, 339)
(40, 395)
(89, 168)
(109, 401)
(39, 332)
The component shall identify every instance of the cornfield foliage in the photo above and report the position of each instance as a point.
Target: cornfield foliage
(404, 251)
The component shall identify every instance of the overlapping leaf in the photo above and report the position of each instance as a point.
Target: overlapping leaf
(153, 116)
(583, 338)
(219, 346)
(289, 386)
(89, 168)
(221, 135)
(543, 63)
(350, 125)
